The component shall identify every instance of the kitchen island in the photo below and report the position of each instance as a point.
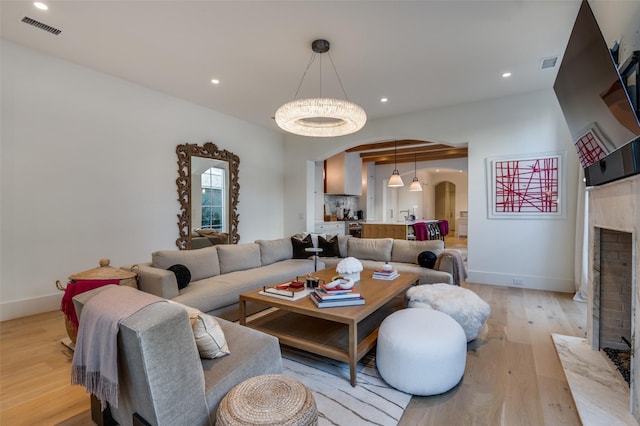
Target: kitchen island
(399, 230)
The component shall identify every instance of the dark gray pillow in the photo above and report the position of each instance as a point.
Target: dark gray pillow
(427, 259)
(330, 247)
(299, 247)
(182, 273)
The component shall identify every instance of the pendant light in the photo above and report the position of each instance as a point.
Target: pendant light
(395, 180)
(320, 117)
(415, 184)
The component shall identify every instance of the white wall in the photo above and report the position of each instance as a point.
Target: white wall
(88, 171)
(539, 252)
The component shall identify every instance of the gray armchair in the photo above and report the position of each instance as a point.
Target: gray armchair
(162, 379)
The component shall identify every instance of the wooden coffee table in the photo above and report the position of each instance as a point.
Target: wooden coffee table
(343, 333)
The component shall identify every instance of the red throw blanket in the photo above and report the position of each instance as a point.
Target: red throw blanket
(420, 231)
(77, 287)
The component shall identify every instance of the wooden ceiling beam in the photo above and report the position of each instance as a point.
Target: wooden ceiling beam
(405, 150)
(389, 145)
(431, 149)
(409, 158)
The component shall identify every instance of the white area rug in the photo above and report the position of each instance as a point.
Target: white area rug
(370, 402)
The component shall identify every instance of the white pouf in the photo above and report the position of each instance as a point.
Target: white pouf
(462, 304)
(421, 351)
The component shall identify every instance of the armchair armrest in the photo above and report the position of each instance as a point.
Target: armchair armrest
(445, 263)
(451, 261)
(156, 281)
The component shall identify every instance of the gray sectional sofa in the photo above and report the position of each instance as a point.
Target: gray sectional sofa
(402, 255)
(219, 274)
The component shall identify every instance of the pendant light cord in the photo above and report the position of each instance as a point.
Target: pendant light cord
(395, 155)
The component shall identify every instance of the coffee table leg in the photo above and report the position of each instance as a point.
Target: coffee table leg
(353, 351)
(242, 314)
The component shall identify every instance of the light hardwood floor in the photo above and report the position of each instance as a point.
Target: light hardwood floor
(513, 375)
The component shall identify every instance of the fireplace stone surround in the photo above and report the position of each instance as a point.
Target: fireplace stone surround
(616, 207)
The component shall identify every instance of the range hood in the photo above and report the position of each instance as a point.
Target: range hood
(343, 174)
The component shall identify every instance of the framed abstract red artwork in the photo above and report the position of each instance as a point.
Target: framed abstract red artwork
(526, 187)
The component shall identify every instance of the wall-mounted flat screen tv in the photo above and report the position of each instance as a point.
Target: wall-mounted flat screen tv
(593, 97)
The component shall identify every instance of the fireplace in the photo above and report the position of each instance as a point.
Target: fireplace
(612, 273)
(614, 265)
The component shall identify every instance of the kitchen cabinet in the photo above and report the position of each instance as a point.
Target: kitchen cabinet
(330, 228)
(399, 231)
(461, 228)
(384, 230)
(343, 174)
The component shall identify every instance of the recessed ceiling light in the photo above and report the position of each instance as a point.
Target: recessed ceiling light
(383, 100)
(506, 74)
(215, 81)
(40, 5)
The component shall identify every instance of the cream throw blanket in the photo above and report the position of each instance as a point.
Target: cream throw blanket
(95, 360)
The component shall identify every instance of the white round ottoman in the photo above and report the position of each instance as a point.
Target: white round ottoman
(462, 304)
(421, 351)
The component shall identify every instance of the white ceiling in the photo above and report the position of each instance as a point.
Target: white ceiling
(418, 54)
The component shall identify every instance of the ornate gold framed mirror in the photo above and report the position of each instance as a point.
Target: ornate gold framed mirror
(208, 192)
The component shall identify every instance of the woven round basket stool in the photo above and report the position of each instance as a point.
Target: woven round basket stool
(270, 399)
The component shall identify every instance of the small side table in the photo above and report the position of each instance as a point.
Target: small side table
(315, 252)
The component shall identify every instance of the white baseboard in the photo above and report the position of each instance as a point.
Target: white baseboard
(26, 307)
(522, 281)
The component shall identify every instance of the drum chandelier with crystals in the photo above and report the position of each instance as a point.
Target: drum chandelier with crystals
(320, 117)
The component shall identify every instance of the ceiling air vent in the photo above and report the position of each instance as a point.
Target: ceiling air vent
(548, 62)
(40, 25)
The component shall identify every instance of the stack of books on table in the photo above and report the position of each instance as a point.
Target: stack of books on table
(324, 298)
(381, 274)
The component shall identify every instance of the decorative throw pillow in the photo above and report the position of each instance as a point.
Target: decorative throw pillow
(427, 259)
(209, 337)
(330, 247)
(299, 246)
(207, 333)
(182, 273)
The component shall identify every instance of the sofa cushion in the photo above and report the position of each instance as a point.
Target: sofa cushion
(330, 246)
(404, 251)
(238, 257)
(299, 246)
(272, 251)
(343, 244)
(370, 248)
(253, 353)
(221, 291)
(202, 263)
